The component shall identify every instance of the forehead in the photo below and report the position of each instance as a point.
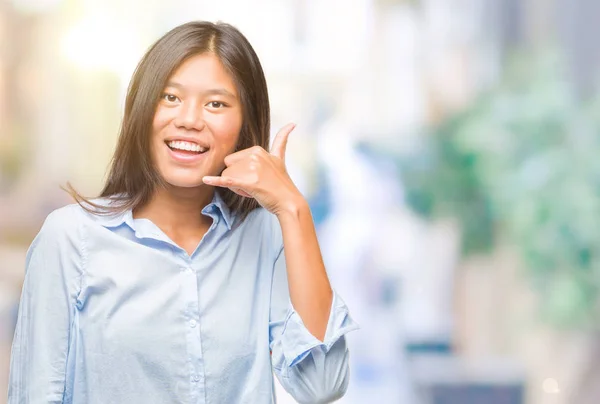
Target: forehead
(202, 72)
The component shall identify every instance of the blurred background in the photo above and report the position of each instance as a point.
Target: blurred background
(447, 148)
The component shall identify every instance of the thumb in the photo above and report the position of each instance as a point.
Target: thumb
(280, 142)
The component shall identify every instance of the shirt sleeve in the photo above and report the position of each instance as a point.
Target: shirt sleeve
(41, 340)
(312, 371)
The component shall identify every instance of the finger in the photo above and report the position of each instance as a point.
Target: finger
(280, 142)
(242, 154)
(225, 182)
(241, 192)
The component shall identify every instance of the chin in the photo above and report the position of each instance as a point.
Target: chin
(184, 182)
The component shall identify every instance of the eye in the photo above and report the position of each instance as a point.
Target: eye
(170, 97)
(216, 104)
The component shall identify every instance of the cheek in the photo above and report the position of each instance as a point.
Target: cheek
(227, 133)
(161, 119)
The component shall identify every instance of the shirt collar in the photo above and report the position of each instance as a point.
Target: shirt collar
(217, 205)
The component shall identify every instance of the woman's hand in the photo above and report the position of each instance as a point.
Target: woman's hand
(258, 174)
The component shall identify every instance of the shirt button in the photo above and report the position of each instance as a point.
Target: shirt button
(193, 323)
(195, 379)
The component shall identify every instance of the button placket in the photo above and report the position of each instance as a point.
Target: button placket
(194, 343)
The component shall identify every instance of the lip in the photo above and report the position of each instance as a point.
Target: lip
(197, 141)
(185, 158)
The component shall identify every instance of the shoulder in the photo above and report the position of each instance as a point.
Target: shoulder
(57, 253)
(71, 221)
(62, 221)
(60, 234)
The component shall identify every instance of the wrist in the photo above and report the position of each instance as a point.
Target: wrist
(293, 209)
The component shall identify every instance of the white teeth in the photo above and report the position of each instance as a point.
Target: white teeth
(189, 146)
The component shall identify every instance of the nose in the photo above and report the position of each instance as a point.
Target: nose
(190, 117)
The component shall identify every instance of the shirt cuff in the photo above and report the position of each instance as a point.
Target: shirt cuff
(297, 342)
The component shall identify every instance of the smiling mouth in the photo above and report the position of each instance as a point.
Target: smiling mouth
(184, 147)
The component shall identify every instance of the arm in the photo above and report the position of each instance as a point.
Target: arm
(39, 351)
(309, 287)
(255, 173)
(311, 370)
(308, 320)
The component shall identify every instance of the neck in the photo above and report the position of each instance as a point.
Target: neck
(177, 209)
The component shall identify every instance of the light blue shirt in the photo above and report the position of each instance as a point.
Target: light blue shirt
(113, 311)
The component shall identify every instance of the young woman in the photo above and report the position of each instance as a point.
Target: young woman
(197, 272)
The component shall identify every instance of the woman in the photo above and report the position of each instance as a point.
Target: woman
(197, 272)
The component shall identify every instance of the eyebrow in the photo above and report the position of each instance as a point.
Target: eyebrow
(212, 91)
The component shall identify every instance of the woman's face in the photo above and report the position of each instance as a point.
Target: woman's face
(197, 122)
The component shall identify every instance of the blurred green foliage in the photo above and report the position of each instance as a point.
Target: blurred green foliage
(520, 165)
